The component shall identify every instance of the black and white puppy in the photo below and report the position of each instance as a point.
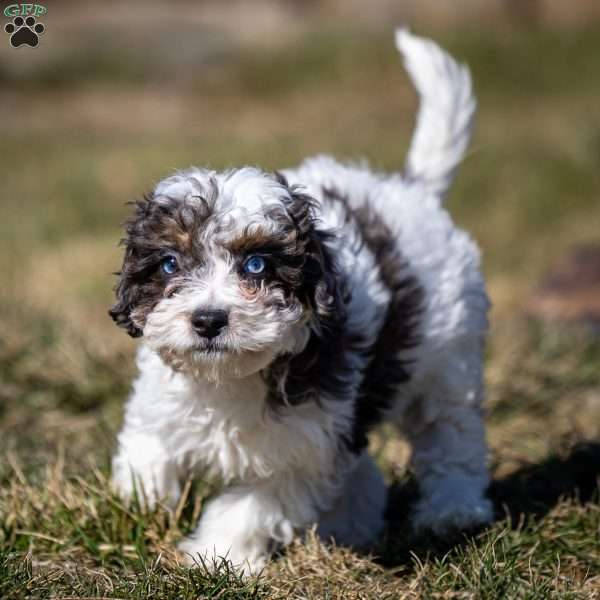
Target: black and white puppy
(285, 315)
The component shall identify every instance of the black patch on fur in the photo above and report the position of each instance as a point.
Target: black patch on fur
(159, 227)
(324, 366)
(390, 365)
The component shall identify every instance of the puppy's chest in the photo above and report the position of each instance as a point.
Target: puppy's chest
(230, 436)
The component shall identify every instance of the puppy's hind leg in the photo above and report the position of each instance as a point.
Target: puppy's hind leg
(449, 460)
(449, 450)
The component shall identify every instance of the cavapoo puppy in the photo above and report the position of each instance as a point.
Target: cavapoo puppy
(284, 315)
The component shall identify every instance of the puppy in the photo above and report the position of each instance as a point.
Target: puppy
(284, 315)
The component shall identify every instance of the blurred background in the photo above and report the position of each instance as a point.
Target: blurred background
(119, 94)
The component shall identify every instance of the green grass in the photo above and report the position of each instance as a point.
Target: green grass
(95, 132)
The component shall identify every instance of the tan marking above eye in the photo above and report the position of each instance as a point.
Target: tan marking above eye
(174, 233)
(251, 239)
(184, 240)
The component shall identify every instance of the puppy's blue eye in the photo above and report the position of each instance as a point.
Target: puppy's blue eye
(255, 265)
(169, 265)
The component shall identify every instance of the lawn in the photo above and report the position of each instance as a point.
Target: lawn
(83, 132)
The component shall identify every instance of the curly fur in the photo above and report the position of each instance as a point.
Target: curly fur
(371, 307)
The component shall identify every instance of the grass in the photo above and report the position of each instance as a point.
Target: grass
(93, 133)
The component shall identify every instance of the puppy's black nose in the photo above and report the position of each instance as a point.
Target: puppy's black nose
(208, 323)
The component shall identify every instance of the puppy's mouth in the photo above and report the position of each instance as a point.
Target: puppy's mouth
(212, 349)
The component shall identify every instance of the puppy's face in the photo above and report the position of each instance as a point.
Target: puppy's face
(224, 272)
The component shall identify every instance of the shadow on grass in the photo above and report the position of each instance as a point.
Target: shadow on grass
(529, 492)
(535, 489)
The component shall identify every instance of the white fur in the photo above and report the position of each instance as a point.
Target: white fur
(287, 471)
(445, 115)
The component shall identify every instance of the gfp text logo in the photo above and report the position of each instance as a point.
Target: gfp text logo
(24, 10)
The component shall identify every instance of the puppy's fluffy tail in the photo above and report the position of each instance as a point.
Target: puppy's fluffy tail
(446, 110)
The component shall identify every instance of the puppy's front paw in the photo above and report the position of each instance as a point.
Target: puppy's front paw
(151, 485)
(442, 512)
(245, 557)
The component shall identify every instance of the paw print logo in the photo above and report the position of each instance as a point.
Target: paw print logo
(24, 32)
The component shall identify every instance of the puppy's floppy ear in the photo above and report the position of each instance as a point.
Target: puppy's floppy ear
(325, 284)
(322, 287)
(322, 366)
(126, 293)
(130, 287)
